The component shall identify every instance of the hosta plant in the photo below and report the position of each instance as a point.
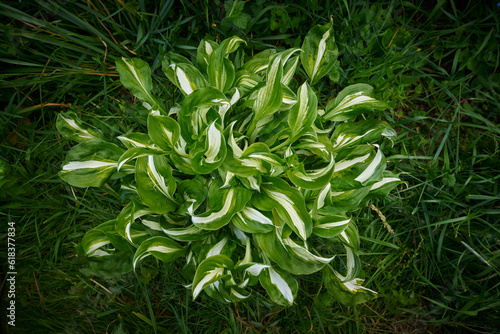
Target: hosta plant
(245, 177)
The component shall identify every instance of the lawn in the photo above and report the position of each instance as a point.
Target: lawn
(431, 248)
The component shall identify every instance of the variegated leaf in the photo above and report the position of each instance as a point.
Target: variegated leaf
(70, 126)
(319, 52)
(315, 179)
(90, 163)
(383, 187)
(363, 164)
(164, 131)
(349, 293)
(290, 202)
(221, 71)
(135, 75)
(352, 101)
(182, 74)
(136, 139)
(280, 286)
(137, 152)
(352, 134)
(224, 205)
(155, 184)
(330, 226)
(209, 155)
(163, 248)
(209, 271)
(251, 220)
(303, 113)
(204, 51)
(268, 99)
(193, 115)
(126, 219)
(191, 193)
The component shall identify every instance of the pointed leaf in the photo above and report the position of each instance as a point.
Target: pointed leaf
(320, 52)
(90, 163)
(70, 126)
(155, 184)
(351, 102)
(135, 75)
(229, 202)
(164, 249)
(209, 271)
(290, 202)
(280, 286)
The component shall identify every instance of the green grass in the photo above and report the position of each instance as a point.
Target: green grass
(438, 67)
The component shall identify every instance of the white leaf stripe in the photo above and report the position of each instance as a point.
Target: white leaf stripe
(281, 284)
(211, 275)
(321, 52)
(157, 178)
(183, 79)
(214, 139)
(256, 269)
(218, 214)
(335, 224)
(136, 76)
(84, 134)
(182, 231)
(322, 195)
(289, 207)
(341, 165)
(343, 139)
(91, 164)
(102, 242)
(384, 182)
(303, 253)
(349, 102)
(256, 215)
(368, 172)
(217, 249)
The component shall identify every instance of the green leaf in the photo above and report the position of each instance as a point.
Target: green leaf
(137, 152)
(211, 270)
(209, 155)
(224, 205)
(184, 75)
(251, 220)
(70, 126)
(303, 113)
(352, 101)
(136, 139)
(193, 116)
(349, 293)
(155, 184)
(221, 71)
(320, 52)
(280, 286)
(314, 179)
(362, 132)
(164, 249)
(289, 202)
(164, 131)
(204, 51)
(90, 163)
(135, 75)
(268, 98)
(330, 226)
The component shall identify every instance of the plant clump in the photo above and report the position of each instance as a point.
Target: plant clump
(244, 176)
